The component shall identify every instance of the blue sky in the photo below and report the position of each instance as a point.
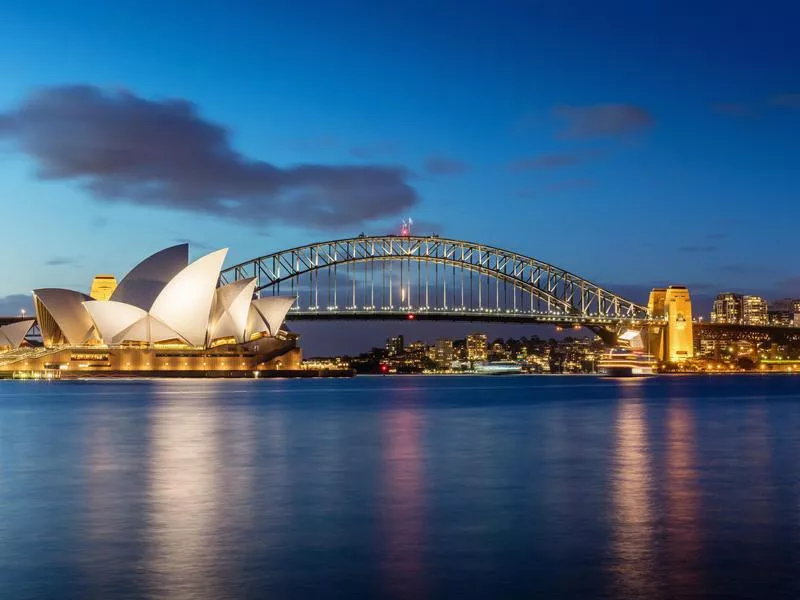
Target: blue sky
(633, 145)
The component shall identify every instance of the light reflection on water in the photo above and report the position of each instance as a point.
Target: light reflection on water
(403, 513)
(185, 496)
(633, 519)
(683, 525)
(401, 487)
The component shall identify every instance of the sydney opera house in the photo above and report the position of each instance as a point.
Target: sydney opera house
(167, 316)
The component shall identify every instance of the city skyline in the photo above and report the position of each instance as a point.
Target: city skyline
(636, 152)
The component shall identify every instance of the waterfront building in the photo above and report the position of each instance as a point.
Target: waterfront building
(477, 347)
(754, 310)
(727, 308)
(166, 315)
(394, 346)
(780, 318)
(443, 353)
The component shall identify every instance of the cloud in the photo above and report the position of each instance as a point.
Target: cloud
(734, 109)
(571, 184)
(785, 100)
(789, 285)
(545, 161)
(698, 248)
(603, 120)
(373, 150)
(741, 269)
(192, 243)
(10, 305)
(163, 153)
(441, 165)
(553, 161)
(59, 261)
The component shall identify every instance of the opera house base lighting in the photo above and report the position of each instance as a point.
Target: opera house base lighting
(276, 356)
(166, 318)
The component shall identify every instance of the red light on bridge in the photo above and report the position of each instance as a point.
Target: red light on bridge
(384, 368)
(411, 316)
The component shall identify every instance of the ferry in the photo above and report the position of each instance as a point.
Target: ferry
(623, 362)
(498, 367)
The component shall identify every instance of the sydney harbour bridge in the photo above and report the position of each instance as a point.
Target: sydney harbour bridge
(433, 278)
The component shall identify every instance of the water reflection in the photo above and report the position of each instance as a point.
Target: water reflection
(633, 526)
(682, 499)
(184, 494)
(759, 498)
(403, 502)
(107, 492)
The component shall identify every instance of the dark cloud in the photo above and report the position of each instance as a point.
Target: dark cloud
(553, 161)
(785, 100)
(163, 153)
(59, 261)
(545, 161)
(192, 243)
(441, 165)
(789, 285)
(11, 305)
(698, 248)
(603, 120)
(734, 109)
(373, 150)
(747, 269)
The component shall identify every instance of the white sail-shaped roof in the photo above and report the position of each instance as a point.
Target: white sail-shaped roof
(231, 308)
(273, 310)
(146, 280)
(255, 323)
(13, 333)
(111, 318)
(65, 308)
(147, 329)
(184, 305)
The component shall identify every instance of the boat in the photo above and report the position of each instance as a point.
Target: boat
(624, 362)
(498, 367)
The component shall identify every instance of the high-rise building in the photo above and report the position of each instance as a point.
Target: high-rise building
(476, 347)
(727, 308)
(780, 318)
(394, 345)
(754, 310)
(444, 353)
(102, 287)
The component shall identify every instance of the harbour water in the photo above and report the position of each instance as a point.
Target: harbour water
(401, 487)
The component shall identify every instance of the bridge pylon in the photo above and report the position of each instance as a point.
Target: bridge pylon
(669, 333)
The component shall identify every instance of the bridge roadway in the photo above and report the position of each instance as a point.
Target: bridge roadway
(465, 315)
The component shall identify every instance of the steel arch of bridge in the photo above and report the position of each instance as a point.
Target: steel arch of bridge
(553, 292)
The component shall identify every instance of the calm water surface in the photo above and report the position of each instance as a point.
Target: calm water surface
(401, 487)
